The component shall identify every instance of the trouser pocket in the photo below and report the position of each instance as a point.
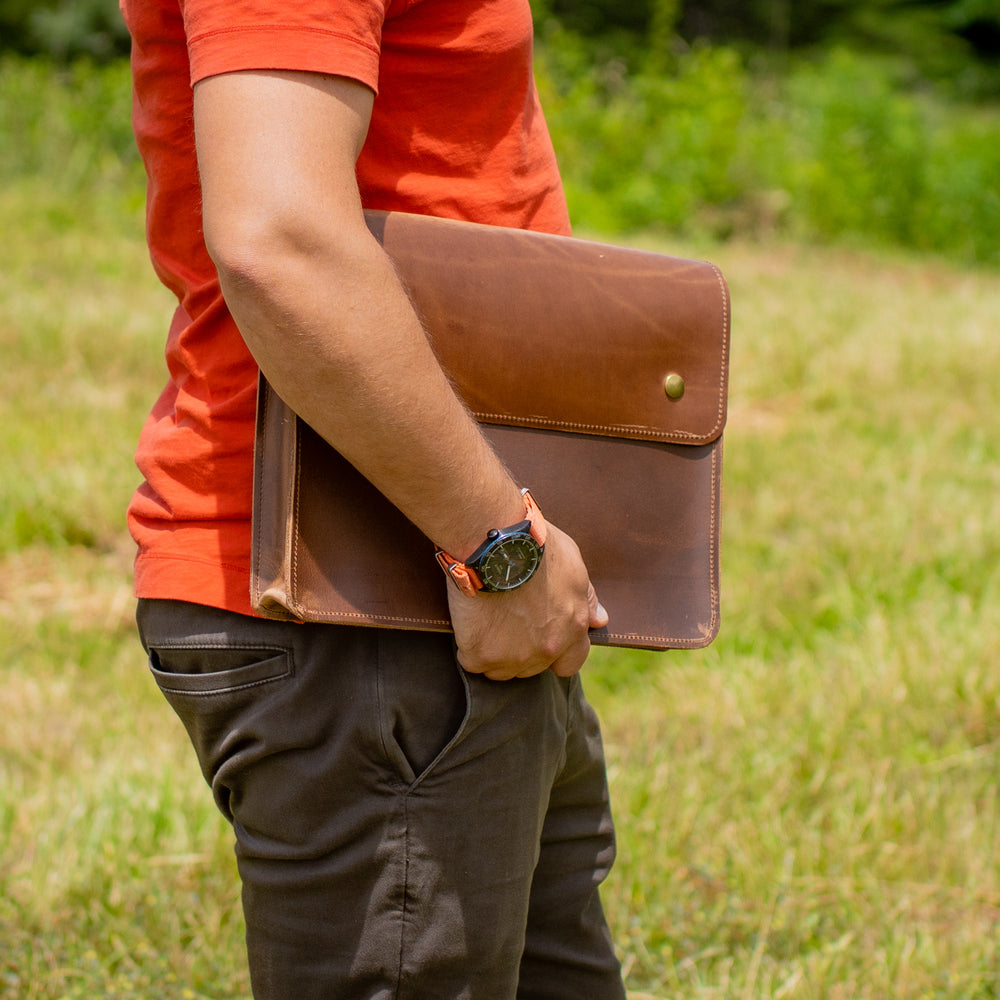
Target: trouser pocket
(423, 701)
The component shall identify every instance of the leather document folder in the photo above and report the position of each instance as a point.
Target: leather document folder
(600, 375)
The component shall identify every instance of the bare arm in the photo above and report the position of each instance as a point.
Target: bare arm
(321, 309)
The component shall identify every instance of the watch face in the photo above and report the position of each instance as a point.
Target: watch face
(508, 563)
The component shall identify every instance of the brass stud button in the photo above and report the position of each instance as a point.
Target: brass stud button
(673, 386)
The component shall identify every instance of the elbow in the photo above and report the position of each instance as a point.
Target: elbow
(277, 273)
(263, 273)
(246, 251)
(268, 257)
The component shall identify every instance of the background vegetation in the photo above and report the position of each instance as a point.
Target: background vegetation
(834, 148)
(808, 808)
(867, 121)
(946, 40)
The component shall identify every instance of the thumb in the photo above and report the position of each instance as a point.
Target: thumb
(598, 615)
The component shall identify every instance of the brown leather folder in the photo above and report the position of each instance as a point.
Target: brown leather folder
(600, 375)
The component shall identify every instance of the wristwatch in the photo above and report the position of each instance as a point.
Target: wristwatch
(506, 560)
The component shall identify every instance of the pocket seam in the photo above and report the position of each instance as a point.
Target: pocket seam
(456, 737)
(409, 782)
(200, 685)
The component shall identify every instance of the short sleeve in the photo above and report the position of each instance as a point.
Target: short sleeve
(341, 37)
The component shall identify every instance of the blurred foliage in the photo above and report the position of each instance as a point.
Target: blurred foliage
(950, 43)
(63, 29)
(696, 139)
(69, 127)
(834, 148)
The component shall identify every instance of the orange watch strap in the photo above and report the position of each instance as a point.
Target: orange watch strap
(539, 529)
(465, 577)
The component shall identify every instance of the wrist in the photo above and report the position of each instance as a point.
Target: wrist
(481, 514)
(506, 559)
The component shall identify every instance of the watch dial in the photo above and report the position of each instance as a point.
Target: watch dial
(509, 563)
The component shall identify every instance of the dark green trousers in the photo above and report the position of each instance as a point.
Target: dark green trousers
(403, 829)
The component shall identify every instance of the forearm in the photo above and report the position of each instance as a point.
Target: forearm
(320, 307)
(335, 333)
(319, 304)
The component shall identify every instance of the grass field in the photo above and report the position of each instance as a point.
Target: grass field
(807, 809)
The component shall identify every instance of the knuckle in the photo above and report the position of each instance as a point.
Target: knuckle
(552, 647)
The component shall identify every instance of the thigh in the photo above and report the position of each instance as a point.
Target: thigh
(388, 808)
(296, 731)
(568, 949)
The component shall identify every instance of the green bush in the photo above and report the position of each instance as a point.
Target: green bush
(853, 160)
(863, 158)
(832, 149)
(954, 43)
(960, 214)
(644, 150)
(829, 150)
(63, 29)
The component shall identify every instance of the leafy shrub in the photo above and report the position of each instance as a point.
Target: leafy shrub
(831, 149)
(63, 29)
(960, 214)
(954, 43)
(644, 150)
(862, 157)
(855, 150)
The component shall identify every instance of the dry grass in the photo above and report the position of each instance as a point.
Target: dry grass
(806, 809)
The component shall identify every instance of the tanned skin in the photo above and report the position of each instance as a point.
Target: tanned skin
(321, 309)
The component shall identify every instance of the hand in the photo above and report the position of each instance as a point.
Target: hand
(540, 626)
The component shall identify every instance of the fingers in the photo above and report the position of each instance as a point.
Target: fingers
(572, 661)
(504, 670)
(567, 661)
(498, 661)
(542, 626)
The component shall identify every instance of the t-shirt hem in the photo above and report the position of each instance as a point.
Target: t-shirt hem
(197, 581)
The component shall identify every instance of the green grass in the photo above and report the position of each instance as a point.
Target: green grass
(809, 807)
(806, 809)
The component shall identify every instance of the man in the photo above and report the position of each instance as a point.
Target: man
(407, 826)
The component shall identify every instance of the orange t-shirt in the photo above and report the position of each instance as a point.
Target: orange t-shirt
(456, 131)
